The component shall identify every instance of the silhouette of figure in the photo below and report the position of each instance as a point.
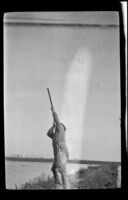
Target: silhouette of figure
(61, 154)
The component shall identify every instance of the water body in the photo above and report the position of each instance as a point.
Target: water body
(18, 173)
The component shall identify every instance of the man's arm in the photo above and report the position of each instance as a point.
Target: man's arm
(55, 117)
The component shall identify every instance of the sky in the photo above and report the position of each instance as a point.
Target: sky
(81, 67)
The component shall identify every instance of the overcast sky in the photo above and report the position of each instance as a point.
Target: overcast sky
(81, 67)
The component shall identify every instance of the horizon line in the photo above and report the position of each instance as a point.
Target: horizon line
(43, 158)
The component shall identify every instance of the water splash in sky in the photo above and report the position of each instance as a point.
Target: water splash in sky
(74, 102)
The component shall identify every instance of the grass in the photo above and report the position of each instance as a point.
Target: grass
(104, 176)
(39, 183)
(98, 178)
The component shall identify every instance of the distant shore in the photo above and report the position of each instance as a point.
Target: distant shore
(28, 159)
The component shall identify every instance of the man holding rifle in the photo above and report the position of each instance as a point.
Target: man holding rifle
(61, 154)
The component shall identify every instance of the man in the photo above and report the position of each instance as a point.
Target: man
(61, 154)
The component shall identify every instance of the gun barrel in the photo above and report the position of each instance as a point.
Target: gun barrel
(50, 97)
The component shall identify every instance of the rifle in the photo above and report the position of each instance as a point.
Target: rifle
(52, 108)
(55, 117)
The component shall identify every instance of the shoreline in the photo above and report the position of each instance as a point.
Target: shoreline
(75, 161)
(72, 170)
(102, 177)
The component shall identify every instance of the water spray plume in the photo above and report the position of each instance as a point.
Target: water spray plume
(74, 103)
